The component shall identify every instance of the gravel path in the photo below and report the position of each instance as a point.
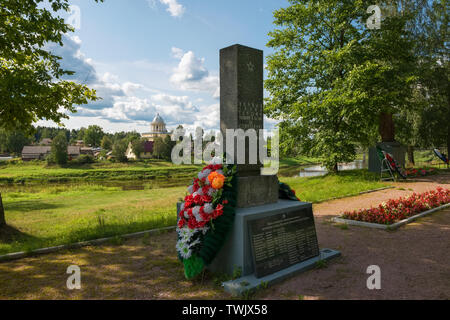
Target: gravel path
(414, 262)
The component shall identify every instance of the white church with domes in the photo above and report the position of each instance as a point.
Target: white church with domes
(158, 127)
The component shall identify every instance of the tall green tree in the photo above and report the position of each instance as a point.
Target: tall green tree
(93, 136)
(106, 143)
(426, 123)
(31, 85)
(119, 149)
(162, 147)
(331, 78)
(59, 151)
(138, 147)
(13, 141)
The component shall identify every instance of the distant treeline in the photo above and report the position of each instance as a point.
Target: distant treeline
(12, 142)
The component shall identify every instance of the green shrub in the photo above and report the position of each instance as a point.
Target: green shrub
(85, 159)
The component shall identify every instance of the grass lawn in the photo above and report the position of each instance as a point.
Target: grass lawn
(38, 171)
(317, 189)
(42, 216)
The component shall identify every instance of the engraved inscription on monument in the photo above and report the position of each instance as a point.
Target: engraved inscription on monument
(283, 240)
(250, 116)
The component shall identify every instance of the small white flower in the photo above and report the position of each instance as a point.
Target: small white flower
(211, 192)
(184, 250)
(216, 160)
(220, 172)
(205, 173)
(196, 213)
(191, 189)
(204, 230)
(186, 234)
(208, 208)
(207, 182)
(196, 242)
(199, 192)
(182, 207)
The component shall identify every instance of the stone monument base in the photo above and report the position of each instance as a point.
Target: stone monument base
(237, 256)
(256, 191)
(250, 283)
(394, 148)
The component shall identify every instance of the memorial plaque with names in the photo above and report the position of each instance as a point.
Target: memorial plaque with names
(283, 240)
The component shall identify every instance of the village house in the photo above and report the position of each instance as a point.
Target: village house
(73, 152)
(40, 152)
(35, 152)
(147, 154)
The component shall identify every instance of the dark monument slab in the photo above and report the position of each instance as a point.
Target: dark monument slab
(283, 240)
(241, 107)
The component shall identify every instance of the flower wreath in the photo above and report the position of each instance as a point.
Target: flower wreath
(206, 217)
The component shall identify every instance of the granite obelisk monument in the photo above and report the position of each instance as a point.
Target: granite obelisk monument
(271, 238)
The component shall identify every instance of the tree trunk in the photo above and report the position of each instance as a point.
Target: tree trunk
(411, 155)
(336, 168)
(2, 213)
(386, 127)
(448, 141)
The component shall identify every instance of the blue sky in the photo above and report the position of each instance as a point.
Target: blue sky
(149, 56)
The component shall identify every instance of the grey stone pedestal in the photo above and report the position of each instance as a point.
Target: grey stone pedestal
(256, 191)
(237, 252)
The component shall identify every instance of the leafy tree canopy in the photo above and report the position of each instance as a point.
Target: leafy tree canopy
(31, 88)
(331, 77)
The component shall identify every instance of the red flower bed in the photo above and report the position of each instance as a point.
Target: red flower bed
(420, 172)
(395, 210)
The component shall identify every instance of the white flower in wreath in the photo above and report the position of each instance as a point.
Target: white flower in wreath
(199, 192)
(193, 244)
(184, 250)
(205, 173)
(190, 189)
(182, 207)
(204, 230)
(196, 213)
(208, 208)
(186, 234)
(220, 172)
(216, 160)
(211, 192)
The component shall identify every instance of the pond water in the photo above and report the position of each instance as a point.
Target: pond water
(316, 171)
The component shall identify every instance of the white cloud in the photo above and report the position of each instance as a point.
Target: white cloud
(134, 104)
(192, 75)
(173, 7)
(177, 53)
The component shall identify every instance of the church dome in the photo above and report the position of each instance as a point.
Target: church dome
(158, 120)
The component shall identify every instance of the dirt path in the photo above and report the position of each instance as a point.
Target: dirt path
(414, 263)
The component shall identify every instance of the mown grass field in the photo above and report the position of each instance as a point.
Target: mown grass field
(47, 215)
(39, 171)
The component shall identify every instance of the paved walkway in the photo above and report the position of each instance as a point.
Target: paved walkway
(414, 263)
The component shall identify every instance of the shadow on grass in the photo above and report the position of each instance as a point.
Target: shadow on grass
(9, 234)
(23, 242)
(30, 205)
(137, 270)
